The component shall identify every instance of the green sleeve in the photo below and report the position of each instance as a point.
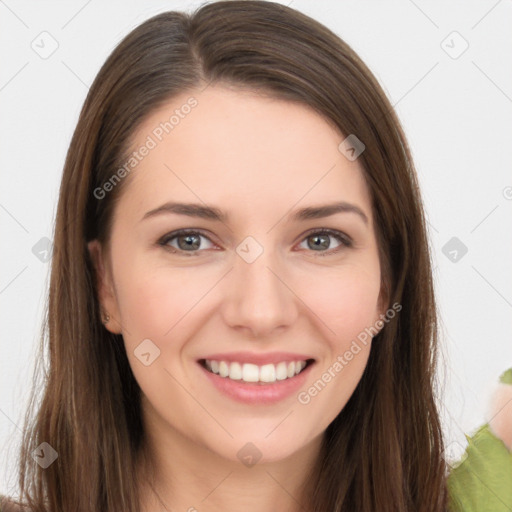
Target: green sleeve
(482, 479)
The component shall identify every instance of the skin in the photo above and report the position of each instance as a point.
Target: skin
(258, 159)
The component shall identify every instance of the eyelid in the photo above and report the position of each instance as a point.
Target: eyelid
(340, 235)
(179, 232)
(345, 240)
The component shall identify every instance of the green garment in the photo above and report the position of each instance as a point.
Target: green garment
(482, 480)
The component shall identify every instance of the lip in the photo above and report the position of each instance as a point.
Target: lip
(257, 392)
(257, 358)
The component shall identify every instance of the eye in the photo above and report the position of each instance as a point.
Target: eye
(188, 241)
(320, 240)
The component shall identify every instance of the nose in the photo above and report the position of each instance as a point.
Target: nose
(259, 300)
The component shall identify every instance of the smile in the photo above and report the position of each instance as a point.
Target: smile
(249, 372)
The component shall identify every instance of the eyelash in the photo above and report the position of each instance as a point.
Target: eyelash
(345, 241)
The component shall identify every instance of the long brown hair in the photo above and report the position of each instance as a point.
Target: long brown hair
(384, 451)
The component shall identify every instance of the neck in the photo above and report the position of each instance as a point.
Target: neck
(181, 474)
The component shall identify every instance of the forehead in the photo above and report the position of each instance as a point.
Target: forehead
(240, 149)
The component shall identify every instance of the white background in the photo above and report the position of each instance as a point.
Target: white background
(457, 115)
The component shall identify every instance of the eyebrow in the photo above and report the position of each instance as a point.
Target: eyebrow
(212, 213)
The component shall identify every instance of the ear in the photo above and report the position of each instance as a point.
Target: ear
(105, 287)
(381, 318)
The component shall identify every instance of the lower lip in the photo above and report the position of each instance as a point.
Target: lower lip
(255, 392)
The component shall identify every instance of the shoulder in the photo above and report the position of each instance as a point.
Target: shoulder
(482, 479)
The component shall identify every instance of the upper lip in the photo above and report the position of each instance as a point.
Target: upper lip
(257, 358)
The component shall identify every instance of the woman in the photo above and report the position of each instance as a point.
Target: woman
(241, 309)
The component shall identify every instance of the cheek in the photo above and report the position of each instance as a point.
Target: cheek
(347, 306)
(154, 299)
(346, 302)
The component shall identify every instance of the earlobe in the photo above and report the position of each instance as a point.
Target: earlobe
(104, 287)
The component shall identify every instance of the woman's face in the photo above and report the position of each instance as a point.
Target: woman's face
(262, 285)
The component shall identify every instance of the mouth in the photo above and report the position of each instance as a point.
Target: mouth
(249, 373)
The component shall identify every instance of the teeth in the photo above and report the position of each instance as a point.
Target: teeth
(281, 371)
(250, 373)
(223, 369)
(235, 371)
(253, 373)
(268, 373)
